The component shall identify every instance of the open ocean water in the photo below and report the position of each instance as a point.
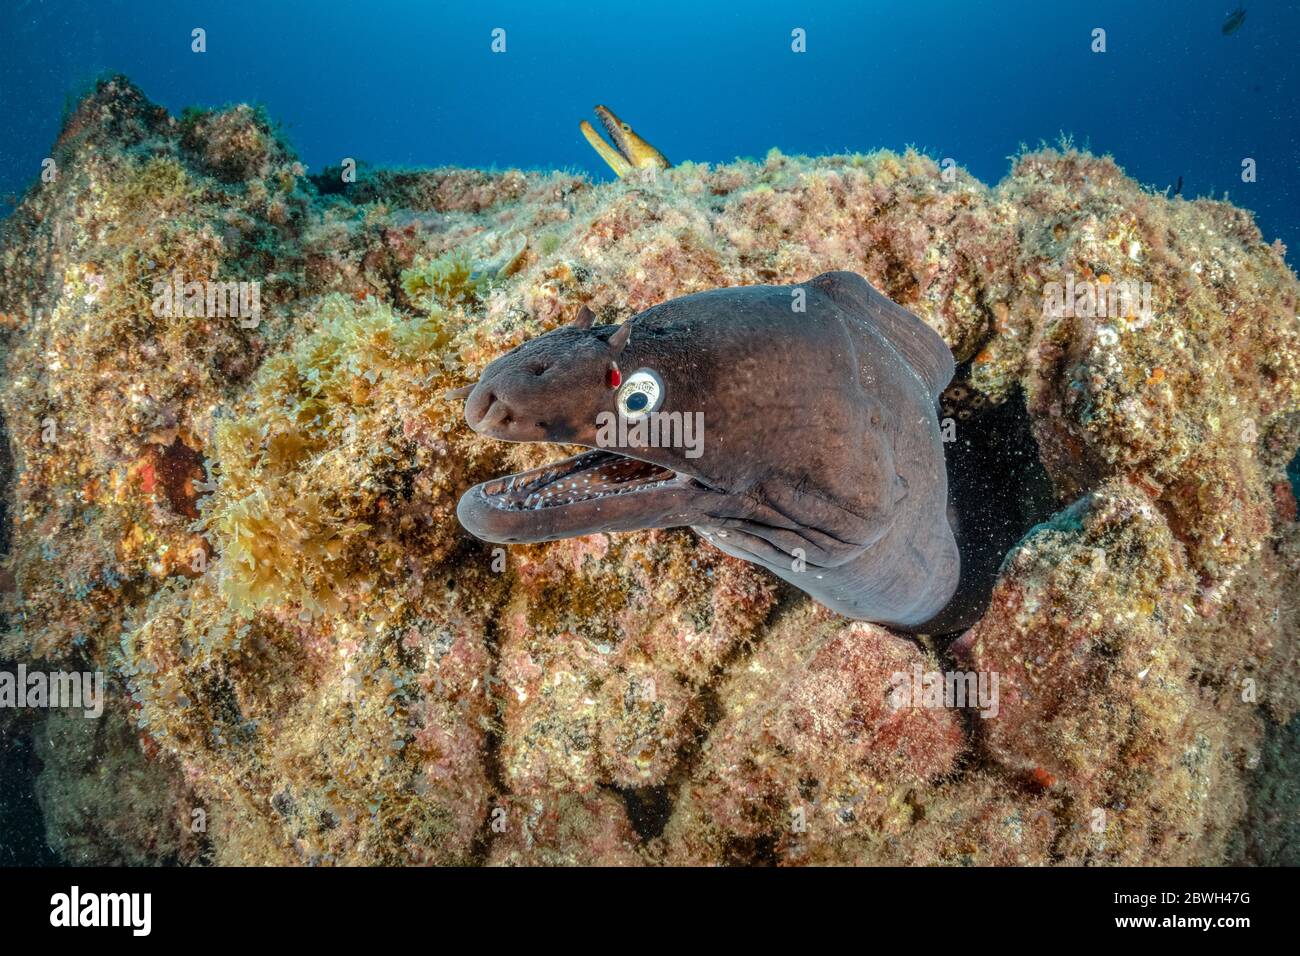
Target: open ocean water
(416, 83)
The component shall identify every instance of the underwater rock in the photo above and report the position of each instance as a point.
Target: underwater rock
(1270, 831)
(565, 830)
(812, 748)
(1084, 632)
(1178, 373)
(334, 672)
(607, 646)
(357, 739)
(107, 799)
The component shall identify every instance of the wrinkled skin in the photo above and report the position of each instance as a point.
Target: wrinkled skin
(821, 461)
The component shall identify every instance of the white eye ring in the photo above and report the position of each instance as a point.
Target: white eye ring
(641, 394)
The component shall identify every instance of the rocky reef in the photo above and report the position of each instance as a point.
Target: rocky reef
(246, 519)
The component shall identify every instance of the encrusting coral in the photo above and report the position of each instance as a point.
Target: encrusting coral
(247, 519)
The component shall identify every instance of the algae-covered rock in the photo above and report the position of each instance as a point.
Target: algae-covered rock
(814, 750)
(234, 477)
(1085, 631)
(109, 798)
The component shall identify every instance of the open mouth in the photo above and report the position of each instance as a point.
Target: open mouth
(612, 128)
(591, 476)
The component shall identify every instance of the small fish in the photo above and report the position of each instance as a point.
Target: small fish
(1235, 19)
(1178, 189)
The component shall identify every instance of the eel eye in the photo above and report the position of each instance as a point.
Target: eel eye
(641, 394)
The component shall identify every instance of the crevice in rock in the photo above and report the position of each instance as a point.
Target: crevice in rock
(648, 809)
(6, 476)
(1269, 832)
(707, 710)
(998, 490)
(481, 847)
(22, 823)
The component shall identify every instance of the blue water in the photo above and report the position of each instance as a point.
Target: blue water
(416, 83)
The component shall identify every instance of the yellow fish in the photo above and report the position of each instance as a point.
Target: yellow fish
(629, 151)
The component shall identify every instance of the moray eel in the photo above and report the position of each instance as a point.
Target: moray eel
(821, 457)
(629, 151)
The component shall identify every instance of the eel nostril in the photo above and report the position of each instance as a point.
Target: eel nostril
(496, 412)
(480, 407)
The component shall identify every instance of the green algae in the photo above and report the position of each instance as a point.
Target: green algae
(446, 281)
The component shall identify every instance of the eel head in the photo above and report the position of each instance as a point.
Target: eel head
(569, 387)
(629, 151)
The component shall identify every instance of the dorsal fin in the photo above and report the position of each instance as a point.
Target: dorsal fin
(918, 344)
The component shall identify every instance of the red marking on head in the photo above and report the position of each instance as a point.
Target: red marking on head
(613, 378)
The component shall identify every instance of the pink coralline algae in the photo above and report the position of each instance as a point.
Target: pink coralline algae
(248, 521)
(815, 751)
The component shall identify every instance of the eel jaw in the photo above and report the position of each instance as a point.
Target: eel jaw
(616, 160)
(629, 151)
(596, 491)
